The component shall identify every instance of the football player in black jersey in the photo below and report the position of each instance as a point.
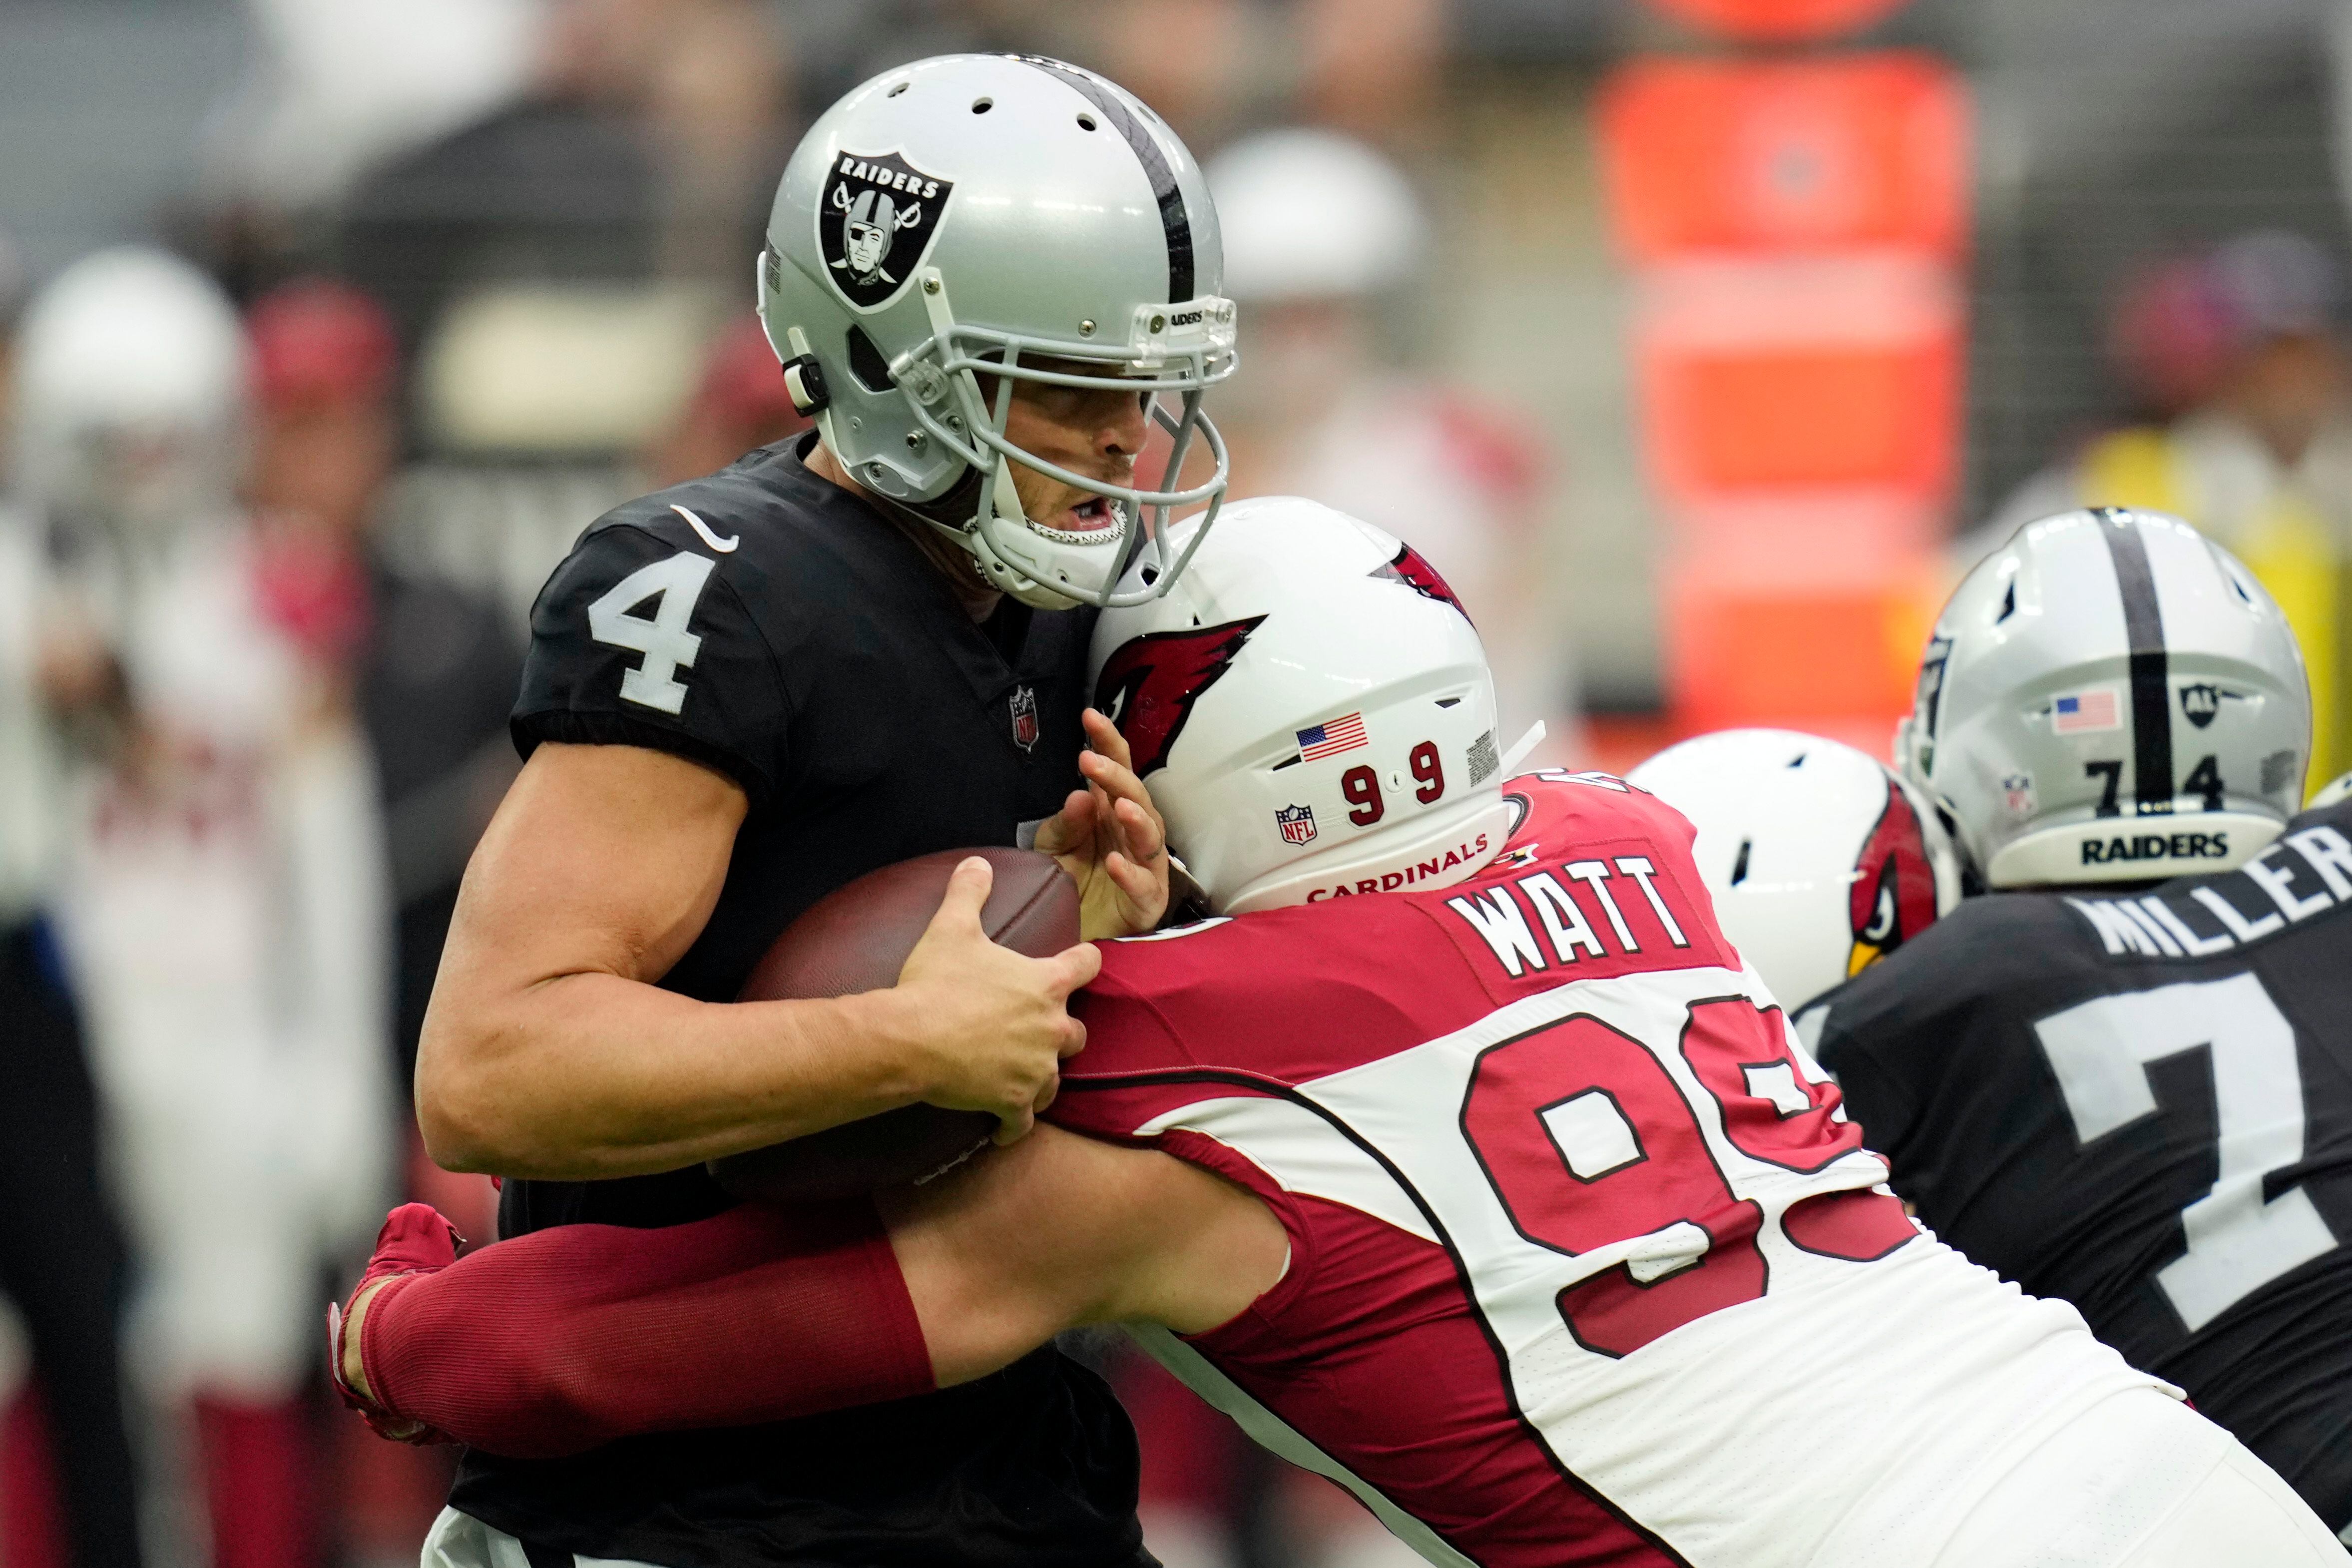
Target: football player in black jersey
(986, 277)
(2121, 1076)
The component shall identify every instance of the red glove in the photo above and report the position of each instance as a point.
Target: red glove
(415, 1241)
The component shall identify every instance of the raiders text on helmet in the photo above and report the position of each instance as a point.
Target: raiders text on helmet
(2110, 696)
(1819, 859)
(964, 222)
(1311, 710)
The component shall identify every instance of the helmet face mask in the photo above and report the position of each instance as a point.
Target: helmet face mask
(2109, 696)
(962, 227)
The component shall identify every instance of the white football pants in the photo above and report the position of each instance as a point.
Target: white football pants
(2140, 1480)
(461, 1540)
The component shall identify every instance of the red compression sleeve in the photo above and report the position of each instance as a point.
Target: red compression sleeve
(556, 1341)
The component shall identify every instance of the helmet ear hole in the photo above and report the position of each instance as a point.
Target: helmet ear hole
(1085, 122)
(866, 361)
(983, 105)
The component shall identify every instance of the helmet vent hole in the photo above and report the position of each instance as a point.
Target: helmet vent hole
(983, 105)
(1085, 122)
(1449, 702)
(898, 90)
(866, 361)
(1740, 865)
(1150, 575)
(2008, 605)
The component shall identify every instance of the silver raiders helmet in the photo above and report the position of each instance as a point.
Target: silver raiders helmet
(2109, 696)
(945, 228)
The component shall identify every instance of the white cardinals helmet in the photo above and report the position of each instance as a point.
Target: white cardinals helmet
(1311, 710)
(2109, 696)
(1819, 858)
(952, 223)
(130, 393)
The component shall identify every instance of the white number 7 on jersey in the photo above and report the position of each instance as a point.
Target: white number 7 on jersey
(668, 646)
(2238, 1242)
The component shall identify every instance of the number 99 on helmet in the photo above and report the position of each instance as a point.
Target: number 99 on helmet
(965, 222)
(1819, 859)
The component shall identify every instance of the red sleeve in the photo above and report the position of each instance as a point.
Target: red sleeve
(556, 1341)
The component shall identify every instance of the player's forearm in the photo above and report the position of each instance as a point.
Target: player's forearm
(590, 1075)
(557, 1341)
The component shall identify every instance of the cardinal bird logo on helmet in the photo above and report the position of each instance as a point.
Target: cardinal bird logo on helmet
(1408, 568)
(875, 220)
(1150, 683)
(1893, 896)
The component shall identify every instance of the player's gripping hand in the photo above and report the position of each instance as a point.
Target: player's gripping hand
(988, 1027)
(1111, 840)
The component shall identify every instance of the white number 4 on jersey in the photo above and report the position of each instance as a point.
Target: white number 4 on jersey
(676, 585)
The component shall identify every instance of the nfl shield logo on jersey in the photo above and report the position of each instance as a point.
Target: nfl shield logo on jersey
(1296, 821)
(1025, 718)
(877, 219)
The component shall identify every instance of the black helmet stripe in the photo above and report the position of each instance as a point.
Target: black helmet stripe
(1173, 219)
(2151, 688)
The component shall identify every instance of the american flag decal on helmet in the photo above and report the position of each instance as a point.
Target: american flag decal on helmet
(1332, 737)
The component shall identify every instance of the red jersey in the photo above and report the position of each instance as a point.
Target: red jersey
(1587, 1264)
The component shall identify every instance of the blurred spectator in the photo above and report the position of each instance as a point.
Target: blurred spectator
(1324, 239)
(432, 667)
(222, 910)
(740, 405)
(644, 149)
(2237, 352)
(67, 1485)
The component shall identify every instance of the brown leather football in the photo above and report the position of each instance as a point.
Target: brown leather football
(857, 938)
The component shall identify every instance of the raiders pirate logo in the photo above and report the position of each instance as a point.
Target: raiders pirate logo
(2200, 702)
(876, 221)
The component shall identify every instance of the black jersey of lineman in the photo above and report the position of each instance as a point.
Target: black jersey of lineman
(788, 634)
(2141, 1102)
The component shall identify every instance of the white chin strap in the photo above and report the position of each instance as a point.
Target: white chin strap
(1520, 748)
(1086, 568)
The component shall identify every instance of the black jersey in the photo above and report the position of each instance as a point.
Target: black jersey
(2141, 1102)
(771, 624)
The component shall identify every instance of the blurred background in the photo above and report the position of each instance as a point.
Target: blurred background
(1699, 343)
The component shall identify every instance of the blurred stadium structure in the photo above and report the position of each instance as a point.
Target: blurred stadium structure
(1699, 340)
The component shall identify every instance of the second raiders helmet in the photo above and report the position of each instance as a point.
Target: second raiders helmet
(943, 229)
(1311, 710)
(2109, 696)
(1819, 859)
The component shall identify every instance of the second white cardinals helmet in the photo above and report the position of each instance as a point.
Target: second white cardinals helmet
(1311, 710)
(1820, 861)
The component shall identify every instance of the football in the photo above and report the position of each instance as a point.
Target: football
(856, 939)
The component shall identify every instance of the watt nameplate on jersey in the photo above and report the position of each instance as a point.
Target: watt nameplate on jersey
(877, 219)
